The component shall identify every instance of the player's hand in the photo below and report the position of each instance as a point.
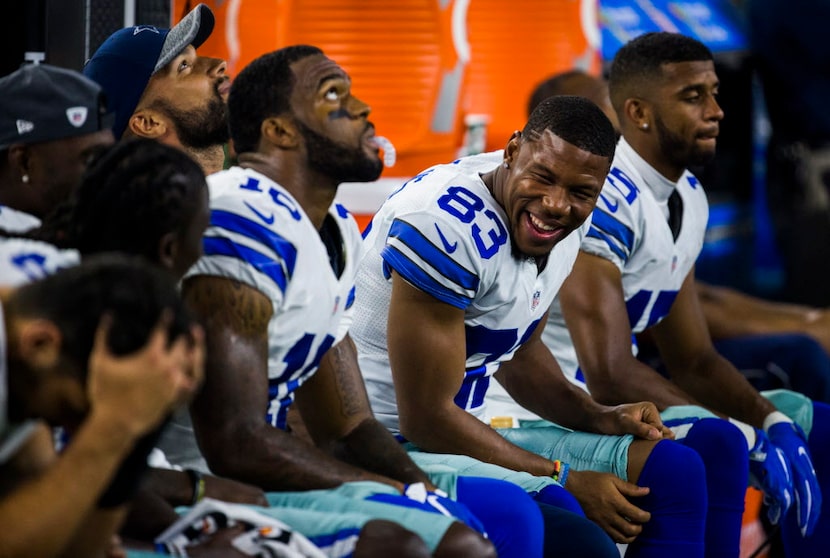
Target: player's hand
(138, 390)
(604, 498)
(792, 442)
(417, 496)
(639, 419)
(769, 471)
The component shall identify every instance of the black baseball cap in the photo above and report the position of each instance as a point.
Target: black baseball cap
(40, 102)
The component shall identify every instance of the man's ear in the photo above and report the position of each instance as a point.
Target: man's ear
(512, 147)
(168, 248)
(280, 131)
(637, 112)
(18, 157)
(39, 343)
(148, 123)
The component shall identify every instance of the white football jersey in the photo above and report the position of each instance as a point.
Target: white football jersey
(630, 228)
(23, 260)
(260, 236)
(14, 221)
(445, 234)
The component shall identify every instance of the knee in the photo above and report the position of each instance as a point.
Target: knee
(557, 496)
(719, 442)
(461, 541)
(675, 473)
(381, 538)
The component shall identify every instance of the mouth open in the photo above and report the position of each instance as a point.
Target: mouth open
(224, 87)
(544, 232)
(380, 142)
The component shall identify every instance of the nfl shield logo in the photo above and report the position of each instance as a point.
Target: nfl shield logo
(673, 263)
(535, 304)
(76, 116)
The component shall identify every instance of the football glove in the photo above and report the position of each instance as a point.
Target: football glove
(792, 442)
(769, 471)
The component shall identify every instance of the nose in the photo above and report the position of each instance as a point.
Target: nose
(357, 108)
(713, 110)
(216, 67)
(555, 201)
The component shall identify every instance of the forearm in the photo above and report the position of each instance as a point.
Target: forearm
(71, 486)
(556, 400)
(633, 381)
(451, 429)
(370, 446)
(719, 386)
(275, 460)
(733, 314)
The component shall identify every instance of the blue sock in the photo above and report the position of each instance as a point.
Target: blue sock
(557, 496)
(510, 516)
(722, 447)
(570, 534)
(816, 544)
(677, 503)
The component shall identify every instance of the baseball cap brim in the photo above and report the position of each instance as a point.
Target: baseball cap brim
(193, 29)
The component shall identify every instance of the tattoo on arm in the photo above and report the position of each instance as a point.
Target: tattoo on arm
(240, 308)
(354, 399)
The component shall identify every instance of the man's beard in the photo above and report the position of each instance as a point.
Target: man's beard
(200, 128)
(677, 150)
(341, 163)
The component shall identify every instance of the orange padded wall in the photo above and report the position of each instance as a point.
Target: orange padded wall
(516, 44)
(400, 54)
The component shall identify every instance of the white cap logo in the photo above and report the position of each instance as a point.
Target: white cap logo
(24, 126)
(139, 28)
(76, 116)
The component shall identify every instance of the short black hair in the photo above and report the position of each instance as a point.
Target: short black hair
(262, 89)
(135, 193)
(577, 121)
(640, 61)
(75, 299)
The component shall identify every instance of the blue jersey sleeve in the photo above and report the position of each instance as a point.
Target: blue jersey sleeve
(612, 231)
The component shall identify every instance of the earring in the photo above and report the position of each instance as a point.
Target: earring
(644, 125)
(506, 165)
(25, 179)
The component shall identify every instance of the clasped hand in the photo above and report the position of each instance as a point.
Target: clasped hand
(639, 419)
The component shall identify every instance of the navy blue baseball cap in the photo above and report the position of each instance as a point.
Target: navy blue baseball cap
(125, 62)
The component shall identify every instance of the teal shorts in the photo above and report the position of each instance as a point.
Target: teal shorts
(470, 467)
(333, 517)
(349, 499)
(581, 450)
(795, 405)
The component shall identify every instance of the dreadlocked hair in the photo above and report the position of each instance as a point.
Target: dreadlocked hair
(129, 198)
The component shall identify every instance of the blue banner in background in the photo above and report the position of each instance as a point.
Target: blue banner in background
(715, 23)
